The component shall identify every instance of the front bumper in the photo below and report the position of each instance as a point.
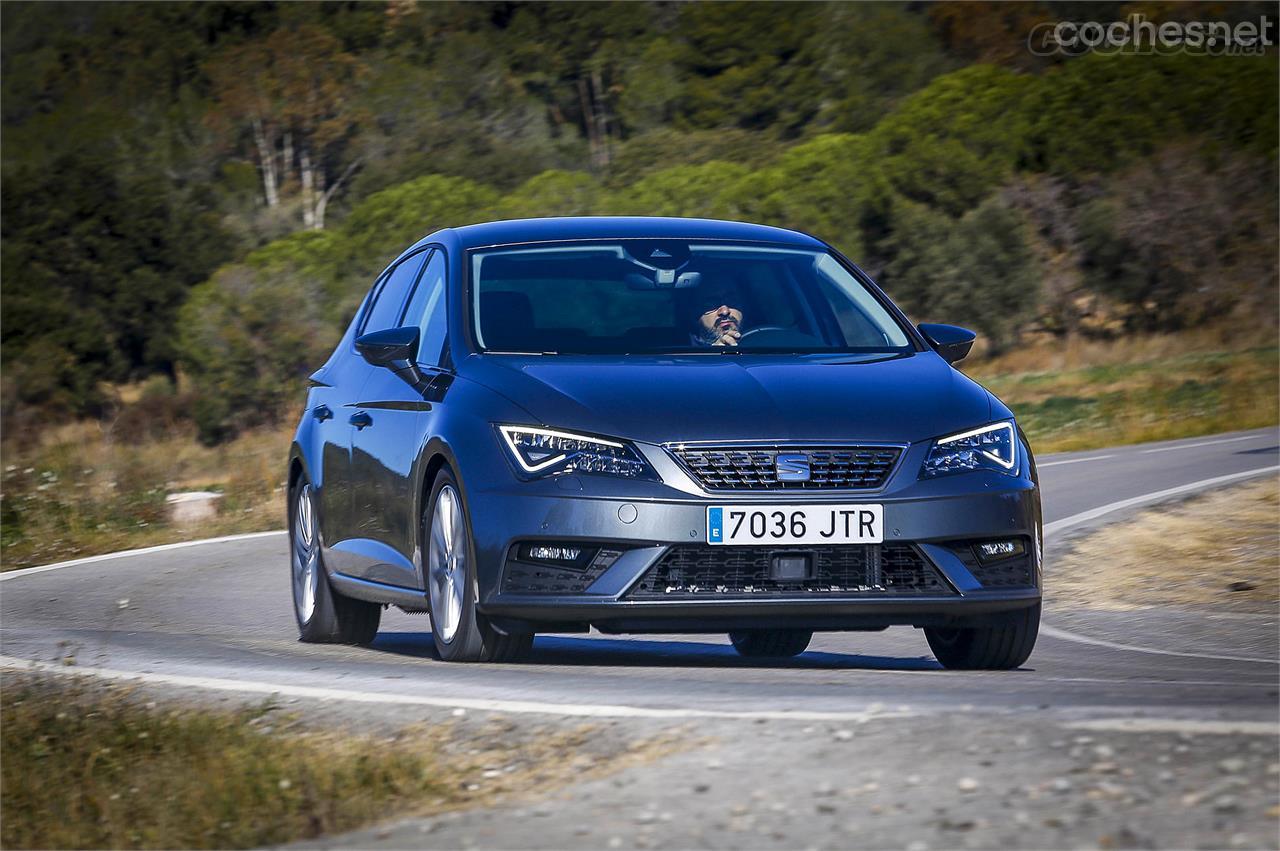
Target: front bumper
(934, 519)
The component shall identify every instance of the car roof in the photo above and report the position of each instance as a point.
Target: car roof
(516, 231)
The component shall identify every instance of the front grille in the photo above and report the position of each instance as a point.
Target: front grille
(726, 468)
(870, 570)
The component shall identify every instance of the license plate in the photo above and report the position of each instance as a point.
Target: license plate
(795, 524)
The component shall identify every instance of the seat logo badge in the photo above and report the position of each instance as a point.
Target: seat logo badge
(791, 468)
(658, 252)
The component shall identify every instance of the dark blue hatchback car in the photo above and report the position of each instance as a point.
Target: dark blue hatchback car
(656, 425)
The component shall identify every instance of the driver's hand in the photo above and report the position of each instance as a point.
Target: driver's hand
(728, 338)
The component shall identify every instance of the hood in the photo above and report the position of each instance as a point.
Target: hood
(739, 397)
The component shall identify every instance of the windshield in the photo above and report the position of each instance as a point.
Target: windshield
(671, 296)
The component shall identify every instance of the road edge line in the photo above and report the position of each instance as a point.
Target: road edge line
(1057, 527)
(159, 548)
(871, 713)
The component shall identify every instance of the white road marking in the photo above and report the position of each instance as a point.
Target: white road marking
(1059, 526)
(586, 710)
(594, 710)
(1062, 634)
(27, 571)
(1204, 443)
(1177, 725)
(1073, 461)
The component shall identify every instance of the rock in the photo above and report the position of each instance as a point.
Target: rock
(1104, 752)
(1232, 765)
(192, 506)
(1226, 804)
(843, 735)
(1061, 785)
(967, 784)
(702, 787)
(1241, 586)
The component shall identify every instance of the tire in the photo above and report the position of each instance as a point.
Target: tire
(995, 648)
(324, 616)
(771, 643)
(461, 634)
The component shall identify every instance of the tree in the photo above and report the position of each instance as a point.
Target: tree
(248, 339)
(868, 57)
(293, 93)
(977, 271)
(97, 276)
(1178, 239)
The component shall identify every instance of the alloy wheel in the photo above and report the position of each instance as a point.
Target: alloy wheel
(306, 554)
(447, 564)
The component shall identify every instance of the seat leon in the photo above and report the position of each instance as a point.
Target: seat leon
(648, 425)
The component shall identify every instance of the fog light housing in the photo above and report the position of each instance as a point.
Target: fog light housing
(558, 553)
(989, 551)
(547, 552)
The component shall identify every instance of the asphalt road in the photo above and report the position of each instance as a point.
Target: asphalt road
(1141, 728)
(219, 615)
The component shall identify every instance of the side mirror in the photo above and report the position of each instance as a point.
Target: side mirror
(389, 347)
(396, 349)
(950, 341)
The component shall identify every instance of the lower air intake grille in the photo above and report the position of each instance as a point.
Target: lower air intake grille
(1016, 572)
(871, 570)
(523, 577)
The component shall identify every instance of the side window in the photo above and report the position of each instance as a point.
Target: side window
(427, 310)
(385, 310)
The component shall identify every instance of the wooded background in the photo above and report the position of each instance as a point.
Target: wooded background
(198, 194)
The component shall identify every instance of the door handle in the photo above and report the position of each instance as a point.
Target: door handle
(361, 419)
(322, 413)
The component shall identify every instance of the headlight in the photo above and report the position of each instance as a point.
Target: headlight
(544, 452)
(993, 447)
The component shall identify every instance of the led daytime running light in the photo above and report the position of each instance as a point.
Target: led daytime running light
(544, 451)
(1013, 455)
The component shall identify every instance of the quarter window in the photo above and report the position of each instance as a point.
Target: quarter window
(427, 310)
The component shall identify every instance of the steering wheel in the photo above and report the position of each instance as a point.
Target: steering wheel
(762, 329)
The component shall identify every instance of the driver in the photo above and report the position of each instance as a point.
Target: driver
(719, 318)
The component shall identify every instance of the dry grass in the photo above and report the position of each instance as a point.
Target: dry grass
(95, 767)
(1129, 401)
(83, 490)
(1188, 554)
(1054, 355)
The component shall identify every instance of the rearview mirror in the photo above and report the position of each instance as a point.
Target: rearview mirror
(950, 341)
